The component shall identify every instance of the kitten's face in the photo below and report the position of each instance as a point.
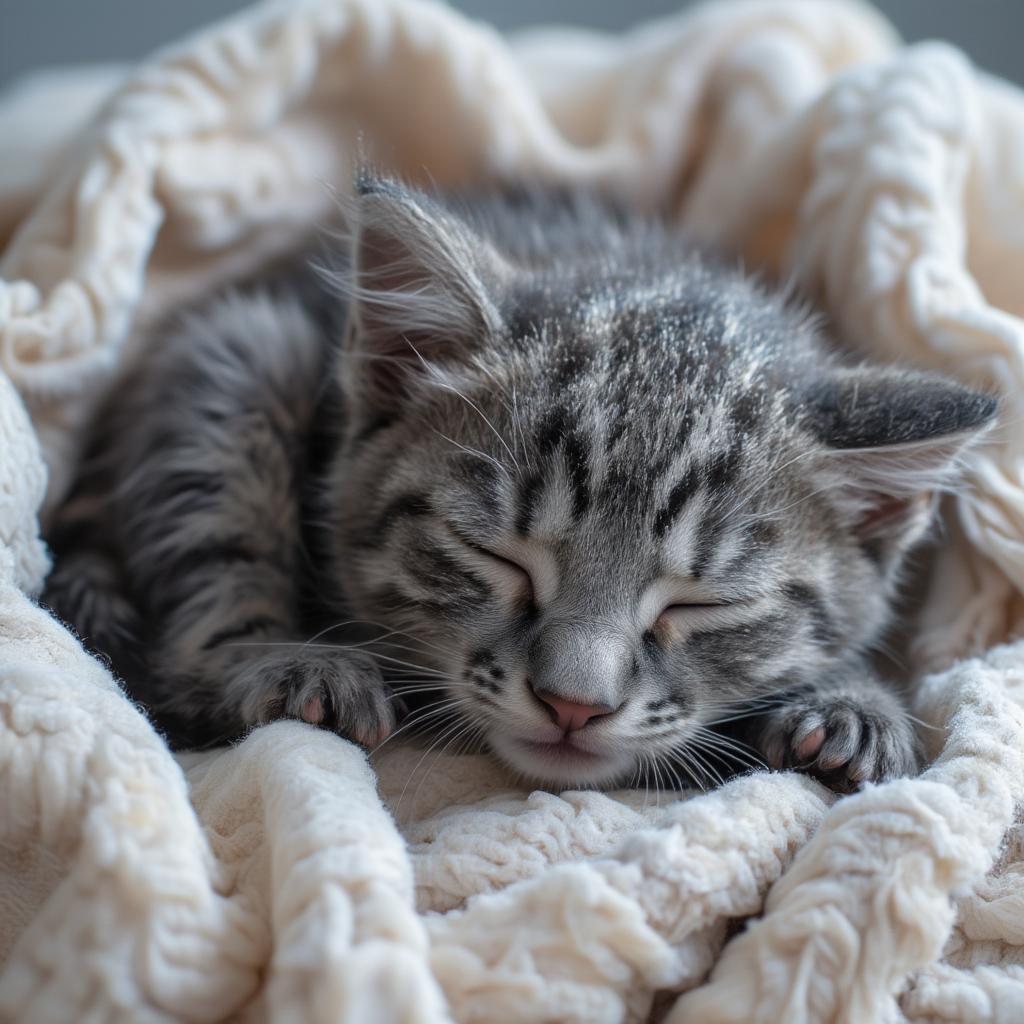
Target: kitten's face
(609, 526)
(623, 553)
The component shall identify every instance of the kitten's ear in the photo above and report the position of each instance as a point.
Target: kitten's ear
(420, 284)
(893, 438)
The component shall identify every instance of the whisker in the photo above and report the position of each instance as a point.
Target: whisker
(771, 473)
(443, 687)
(467, 728)
(339, 647)
(440, 709)
(729, 746)
(686, 762)
(389, 630)
(731, 761)
(670, 768)
(447, 731)
(431, 370)
(697, 757)
(923, 724)
(474, 452)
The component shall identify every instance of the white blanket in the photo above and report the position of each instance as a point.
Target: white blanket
(287, 878)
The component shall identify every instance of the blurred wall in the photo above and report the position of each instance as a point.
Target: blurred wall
(36, 33)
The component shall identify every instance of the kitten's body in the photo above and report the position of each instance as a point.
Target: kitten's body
(606, 492)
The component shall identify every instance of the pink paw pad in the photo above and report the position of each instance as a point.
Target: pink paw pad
(313, 711)
(810, 744)
(372, 738)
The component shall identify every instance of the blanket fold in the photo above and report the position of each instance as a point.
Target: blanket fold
(291, 878)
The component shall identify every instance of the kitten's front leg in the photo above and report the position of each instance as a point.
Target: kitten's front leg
(224, 552)
(339, 690)
(245, 662)
(854, 732)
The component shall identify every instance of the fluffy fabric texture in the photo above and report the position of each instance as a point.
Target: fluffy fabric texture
(289, 879)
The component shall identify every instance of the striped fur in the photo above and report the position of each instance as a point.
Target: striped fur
(537, 445)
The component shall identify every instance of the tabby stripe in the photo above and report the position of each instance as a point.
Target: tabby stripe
(375, 426)
(192, 483)
(718, 475)
(729, 648)
(745, 563)
(709, 536)
(215, 555)
(874, 551)
(723, 467)
(807, 597)
(247, 628)
(577, 462)
(553, 433)
(747, 411)
(528, 503)
(659, 464)
(398, 601)
(405, 506)
(677, 499)
(442, 568)
(552, 430)
(484, 477)
(478, 471)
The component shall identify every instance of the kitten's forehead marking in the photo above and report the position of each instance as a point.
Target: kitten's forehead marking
(682, 532)
(551, 509)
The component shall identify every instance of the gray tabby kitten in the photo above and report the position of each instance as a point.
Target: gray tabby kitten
(617, 501)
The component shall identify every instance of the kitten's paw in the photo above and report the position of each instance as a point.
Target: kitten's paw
(841, 740)
(339, 690)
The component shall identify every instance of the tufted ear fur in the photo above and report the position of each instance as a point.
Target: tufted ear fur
(893, 438)
(420, 288)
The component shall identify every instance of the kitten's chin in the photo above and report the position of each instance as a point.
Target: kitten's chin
(562, 764)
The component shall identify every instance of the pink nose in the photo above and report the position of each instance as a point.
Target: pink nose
(569, 716)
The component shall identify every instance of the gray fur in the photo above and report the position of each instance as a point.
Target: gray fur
(543, 448)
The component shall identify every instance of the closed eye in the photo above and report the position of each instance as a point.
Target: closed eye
(690, 615)
(513, 569)
(695, 606)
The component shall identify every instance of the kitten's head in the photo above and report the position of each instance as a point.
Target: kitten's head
(609, 491)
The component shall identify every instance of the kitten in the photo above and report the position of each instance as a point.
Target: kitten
(614, 499)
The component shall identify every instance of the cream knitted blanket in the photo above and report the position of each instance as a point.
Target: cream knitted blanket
(289, 879)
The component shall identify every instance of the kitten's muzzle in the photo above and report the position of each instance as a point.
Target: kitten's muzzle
(578, 671)
(568, 715)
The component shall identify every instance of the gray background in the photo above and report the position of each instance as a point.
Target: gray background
(38, 33)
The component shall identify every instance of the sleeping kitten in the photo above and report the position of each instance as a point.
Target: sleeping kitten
(601, 493)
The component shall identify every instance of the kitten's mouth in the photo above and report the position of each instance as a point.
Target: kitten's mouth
(563, 750)
(562, 762)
